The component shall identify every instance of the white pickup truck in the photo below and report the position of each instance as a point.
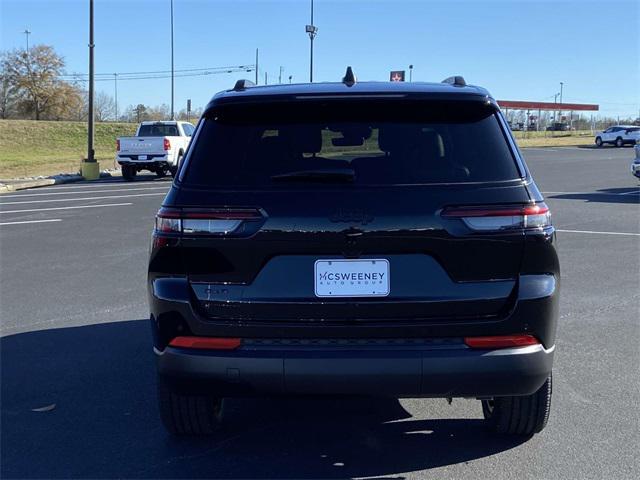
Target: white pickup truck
(157, 146)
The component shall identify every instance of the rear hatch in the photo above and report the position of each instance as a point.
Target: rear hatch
(333, 210)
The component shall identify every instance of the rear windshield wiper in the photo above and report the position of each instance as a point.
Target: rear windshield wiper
(339, 175)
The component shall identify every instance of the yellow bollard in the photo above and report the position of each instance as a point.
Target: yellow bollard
(90, 170)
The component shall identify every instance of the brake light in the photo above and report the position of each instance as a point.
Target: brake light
(501, 341)
(167, 144)
(220, 221)
(206, 343)
(504, 217)
(118, 145)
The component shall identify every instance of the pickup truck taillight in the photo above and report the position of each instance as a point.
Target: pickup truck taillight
(500, 218)
(167, 144)
(188, 222)
(118, 145)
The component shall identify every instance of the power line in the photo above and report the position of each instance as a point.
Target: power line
(225, 69)
(156, 77)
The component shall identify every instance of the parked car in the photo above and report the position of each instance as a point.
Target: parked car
(635, 165)
(618, 135)
(558, 127)
(157, 146)
(354, 238)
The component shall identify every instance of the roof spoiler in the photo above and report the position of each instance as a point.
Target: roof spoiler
(456, 80)
(243, 85)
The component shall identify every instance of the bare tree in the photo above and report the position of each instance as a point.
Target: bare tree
(34, 74)
(103, 107)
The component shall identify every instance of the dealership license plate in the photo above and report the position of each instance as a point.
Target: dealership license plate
(351, 278)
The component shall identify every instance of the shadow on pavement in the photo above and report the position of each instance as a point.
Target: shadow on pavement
(595, 147)
(105, 423)
(606, 195)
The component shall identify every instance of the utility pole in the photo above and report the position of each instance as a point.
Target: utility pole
(115, 82)
(27, 32)
(312, 30)
(172, 80)
(561, 85)
(266, 82)
(280, 75)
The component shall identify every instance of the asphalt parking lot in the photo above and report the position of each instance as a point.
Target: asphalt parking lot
(75, 334)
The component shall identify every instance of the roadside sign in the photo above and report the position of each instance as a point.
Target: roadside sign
(188, 105)
(396, 76)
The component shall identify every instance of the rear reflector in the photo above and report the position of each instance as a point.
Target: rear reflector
(503, 217)
(501, 341)
(206, 343)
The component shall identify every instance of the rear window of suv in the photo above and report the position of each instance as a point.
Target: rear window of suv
(368, 143)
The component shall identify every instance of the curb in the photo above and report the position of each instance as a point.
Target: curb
(44, 182)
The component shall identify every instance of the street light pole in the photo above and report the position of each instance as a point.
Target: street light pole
(312, 30)
(280, 75)
(411, 73)
(90, 169)
(172, 80)
(256, 66)
(90, 151)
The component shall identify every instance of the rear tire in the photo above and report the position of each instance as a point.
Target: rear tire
(619, 142)
(128, 172)
(185, 414)
(523, 415)
(174, 169)
(598, 142)
(161, 172)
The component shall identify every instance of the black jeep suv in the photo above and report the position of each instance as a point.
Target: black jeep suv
(354, 238)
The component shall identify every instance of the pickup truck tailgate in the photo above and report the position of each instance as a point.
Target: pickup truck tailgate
(141, 145)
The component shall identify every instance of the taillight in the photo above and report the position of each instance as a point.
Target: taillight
(167, 144)
(501, 341)
(505, 217)
(118, 145)
(219, 221)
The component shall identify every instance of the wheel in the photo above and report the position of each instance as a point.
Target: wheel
(161, 172)
(619, 142)
(598, 142)
(128, 172)
(184, 414)
(175, 168)
(523, 415)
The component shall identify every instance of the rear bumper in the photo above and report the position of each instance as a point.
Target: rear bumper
(450, 370)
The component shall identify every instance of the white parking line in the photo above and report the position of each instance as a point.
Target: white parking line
(20, 195)
(84, 198)
(32, 221)
(599, 233)
(66, 208)
(102, 184)
(632, 192)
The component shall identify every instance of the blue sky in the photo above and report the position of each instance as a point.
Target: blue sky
(519, 50)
